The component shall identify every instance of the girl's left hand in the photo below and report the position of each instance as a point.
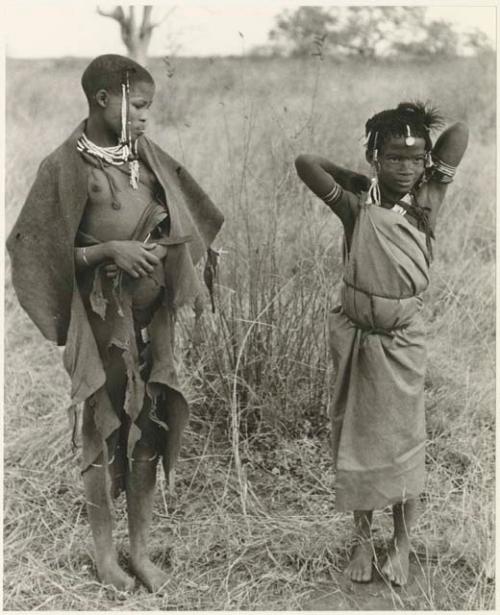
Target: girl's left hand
(111, 270)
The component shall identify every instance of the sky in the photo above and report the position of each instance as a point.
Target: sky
(73, 28)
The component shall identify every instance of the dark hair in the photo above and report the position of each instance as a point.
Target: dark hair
(108, 72)
(420, 117)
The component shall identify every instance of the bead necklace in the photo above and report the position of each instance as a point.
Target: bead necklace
(115, 155)
(125, 151)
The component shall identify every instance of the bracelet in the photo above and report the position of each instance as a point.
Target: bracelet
(445, 172)
(333, 196)
(84, 257)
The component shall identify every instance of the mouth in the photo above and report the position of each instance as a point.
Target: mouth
(404, 181)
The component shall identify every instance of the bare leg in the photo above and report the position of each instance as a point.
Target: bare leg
(101, 524)
(397, 565)
(140, 493)
(360, 566)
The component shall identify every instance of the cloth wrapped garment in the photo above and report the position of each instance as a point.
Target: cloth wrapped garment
(378, 350)
(41, 247)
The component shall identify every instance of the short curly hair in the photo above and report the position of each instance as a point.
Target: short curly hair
(108, 72)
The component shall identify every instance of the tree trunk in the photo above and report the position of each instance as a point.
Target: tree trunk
(138, 51)
(136, 34)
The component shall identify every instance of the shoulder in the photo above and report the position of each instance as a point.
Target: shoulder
(153, 148)
(162, 162)
(430, 196)
(46, 177)
(51, 162)
(63, 155)
(346, 206)
(69, 144)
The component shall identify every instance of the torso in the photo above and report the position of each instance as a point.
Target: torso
(430, 194)
(113, 214)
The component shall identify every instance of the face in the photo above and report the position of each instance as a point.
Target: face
(400, 166)
(141, 98)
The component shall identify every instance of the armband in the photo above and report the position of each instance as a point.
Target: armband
(84, 257)
(442, 172)
(333, 196)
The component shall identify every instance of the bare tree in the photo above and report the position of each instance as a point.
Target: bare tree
(136, 33)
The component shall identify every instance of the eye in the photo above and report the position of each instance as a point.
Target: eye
(141, 104)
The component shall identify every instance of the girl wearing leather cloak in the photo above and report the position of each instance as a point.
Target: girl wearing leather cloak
(103, 254)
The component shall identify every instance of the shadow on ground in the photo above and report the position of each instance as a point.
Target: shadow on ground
(342, 594)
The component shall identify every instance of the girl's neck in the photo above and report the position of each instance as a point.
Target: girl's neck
(390, 196)
(98, 132)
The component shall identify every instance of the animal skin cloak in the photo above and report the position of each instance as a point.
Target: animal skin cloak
(41, 247)
(378, 346)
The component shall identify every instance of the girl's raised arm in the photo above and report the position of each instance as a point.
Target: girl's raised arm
(334, 185)
(318, 172)
(446, 155)
(449, 150)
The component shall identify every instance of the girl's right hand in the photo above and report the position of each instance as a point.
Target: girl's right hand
(133, 257)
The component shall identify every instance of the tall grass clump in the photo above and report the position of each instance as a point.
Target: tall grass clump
(253, 524)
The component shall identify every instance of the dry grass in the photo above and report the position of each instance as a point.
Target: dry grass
(254, 525)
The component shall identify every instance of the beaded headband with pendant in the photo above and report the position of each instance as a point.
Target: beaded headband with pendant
(409, 139)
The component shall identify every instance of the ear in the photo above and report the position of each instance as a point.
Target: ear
(102, 98)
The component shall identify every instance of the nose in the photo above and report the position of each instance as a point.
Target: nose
(143, 115)
(407, 167)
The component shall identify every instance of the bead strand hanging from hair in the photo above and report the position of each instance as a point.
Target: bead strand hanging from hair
(127, 133)
(124, 119)
(125, 151)
(374, 195)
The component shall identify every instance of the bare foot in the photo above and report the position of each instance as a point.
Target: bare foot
(397, 565)
(154, 578)
(360, 566)
(110, 573)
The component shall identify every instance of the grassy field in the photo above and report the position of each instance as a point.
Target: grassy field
(253, 525)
